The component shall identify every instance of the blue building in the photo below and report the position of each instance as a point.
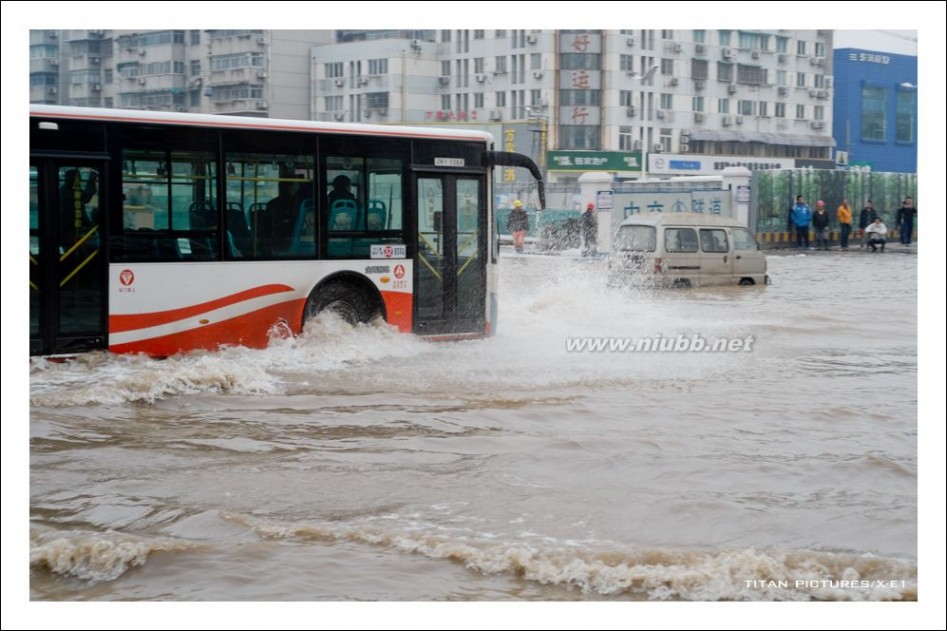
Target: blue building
(875, 109)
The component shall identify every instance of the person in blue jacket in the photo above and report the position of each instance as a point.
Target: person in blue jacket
(800, 216)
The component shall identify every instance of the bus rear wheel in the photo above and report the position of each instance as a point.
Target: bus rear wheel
(347, 302)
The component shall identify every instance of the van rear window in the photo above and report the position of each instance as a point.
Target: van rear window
(636, 239)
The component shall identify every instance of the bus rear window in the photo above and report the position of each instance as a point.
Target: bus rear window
(636, 238)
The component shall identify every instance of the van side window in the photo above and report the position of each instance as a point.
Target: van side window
(680, 240)
(743, 240)
(713, 240)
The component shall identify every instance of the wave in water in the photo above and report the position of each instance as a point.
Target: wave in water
(603, 568)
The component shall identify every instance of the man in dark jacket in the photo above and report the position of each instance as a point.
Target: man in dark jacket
(820, 225)
(905, 220)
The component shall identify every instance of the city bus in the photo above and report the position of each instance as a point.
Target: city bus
(161, 233)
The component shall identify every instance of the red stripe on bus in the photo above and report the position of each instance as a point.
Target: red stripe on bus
(251, 330)
(134, 321)
(398, 307)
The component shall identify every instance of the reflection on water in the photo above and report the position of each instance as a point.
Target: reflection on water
(370, 465)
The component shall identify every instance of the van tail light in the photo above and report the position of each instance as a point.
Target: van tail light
(658, 267)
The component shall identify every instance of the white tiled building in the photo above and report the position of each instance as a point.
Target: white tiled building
(665, 102)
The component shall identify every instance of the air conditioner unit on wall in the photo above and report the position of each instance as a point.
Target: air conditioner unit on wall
(781, 58)
(755, 54)
(698, 117)
(636, 145)
(363, 80)
(732, 88)
(739, 120)
(783, 90)
(700, 49)
(340, 82)
(481, 77)
(531, 39)
(630, 41)
(630, 110)
(496, 115)
(685, 147)
(726, 53)
(660, 113)
(699, 84)
(339, 116)
(673, 81)
(444, 79)
(537, 74)
(726, 121)
(657, 147)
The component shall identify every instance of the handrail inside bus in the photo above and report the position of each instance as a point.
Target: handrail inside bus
(510, 159)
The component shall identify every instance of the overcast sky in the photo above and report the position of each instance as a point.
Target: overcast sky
(899, 42)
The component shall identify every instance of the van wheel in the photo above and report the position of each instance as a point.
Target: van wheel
(747, 281)
(681, 283)
(348, 303)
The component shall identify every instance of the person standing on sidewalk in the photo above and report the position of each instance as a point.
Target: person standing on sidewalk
(905, 220)
(844, 215)
(800, 216)
(820, 225)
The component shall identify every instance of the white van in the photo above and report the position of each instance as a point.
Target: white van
(685, 250)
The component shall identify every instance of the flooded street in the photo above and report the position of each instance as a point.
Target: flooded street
(370, 465)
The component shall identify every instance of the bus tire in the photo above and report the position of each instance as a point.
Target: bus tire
(747, 281)
(347, 302)
(681, 283)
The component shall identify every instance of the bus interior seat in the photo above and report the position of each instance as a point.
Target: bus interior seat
(304, 236)
(238, 232)
(342, 215)
(377, 215)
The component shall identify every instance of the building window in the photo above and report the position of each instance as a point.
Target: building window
(800, 47)
(665, 139)
(499, 33)
(874, 113)
(581, 61)
(625, 98)
(334, 103)
(535, 61)
(667, 67)
(800, 112)
(752, 75)
(580, 97)
(445, 102)
(239, 60)
(723, 106)
(818, 112)
(780, 110)
(819, 49)
(478, 99)
(478, 34)
(762, 108)
(724, 37)
(819, 80)
(724, 72)
(500, 65)
(195, 38)
(535, 96)
(501, 99)
(196, 68)
(626, 62)
(745, 107)
(625, 142)
(579, 137)
(335, 70)
(377, 66)
(667, 101)
(445, 35)
(697, 104)
(800, 79)
(782, 44)
(700, 69)
(667, 34)
(479, 65)
(700, 36)
(904, 116)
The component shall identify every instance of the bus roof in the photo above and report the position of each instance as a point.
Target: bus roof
(222, 121)
(681, 219)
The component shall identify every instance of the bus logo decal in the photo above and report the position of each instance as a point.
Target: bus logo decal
(126, 277)
(399, 271)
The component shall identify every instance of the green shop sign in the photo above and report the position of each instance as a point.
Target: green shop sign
(593, 161)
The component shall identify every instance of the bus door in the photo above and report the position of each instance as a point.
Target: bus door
(68, 301)
(450, 281)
